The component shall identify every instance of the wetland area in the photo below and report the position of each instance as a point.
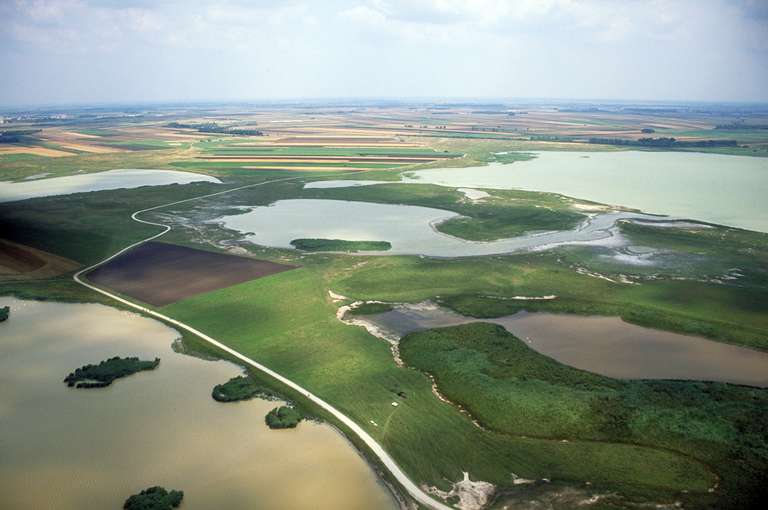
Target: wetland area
(580, 321)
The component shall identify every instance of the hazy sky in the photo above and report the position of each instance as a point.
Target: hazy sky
(56, 51)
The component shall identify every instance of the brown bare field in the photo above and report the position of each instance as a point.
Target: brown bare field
(20, 262)
(321, 159)
(161, 273)
(309, 168)
(94, 149)
(35, 151)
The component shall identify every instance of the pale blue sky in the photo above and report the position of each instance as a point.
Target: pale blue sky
(79, 51)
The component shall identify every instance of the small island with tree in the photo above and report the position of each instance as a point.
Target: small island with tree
(339, 245)
(5, 311)
(102, 375)
(240, 388)
(283, 417)
(154, 498)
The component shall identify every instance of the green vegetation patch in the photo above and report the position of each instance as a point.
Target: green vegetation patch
(370, 309)
(506, 214)
(283, 417)
(339, 245)
(513, 389)
(5, 313)
(240, 388)
(102, 375)
(154, 498)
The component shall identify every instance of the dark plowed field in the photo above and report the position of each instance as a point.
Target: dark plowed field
(160, 273)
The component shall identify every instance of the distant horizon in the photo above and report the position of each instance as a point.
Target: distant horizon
(361, 100)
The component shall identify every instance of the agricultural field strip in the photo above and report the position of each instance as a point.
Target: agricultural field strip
(414, 490)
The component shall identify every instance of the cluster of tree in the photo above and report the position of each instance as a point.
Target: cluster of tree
(490, 129)
(4, 313)
(664, 142)
(212, 127)
(101, 375)
(740, 124)
(551, 138)
(647, 130)
(17, 135)
(493, 112)
(154, 498)
(283, 417)
(240, 388)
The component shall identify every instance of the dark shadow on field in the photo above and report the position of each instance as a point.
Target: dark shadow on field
(160, 273)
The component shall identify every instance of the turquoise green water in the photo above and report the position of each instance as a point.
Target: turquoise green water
(728, 190)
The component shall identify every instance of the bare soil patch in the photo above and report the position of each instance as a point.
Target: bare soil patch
(35, 151)
(161, 274)
(20, 262)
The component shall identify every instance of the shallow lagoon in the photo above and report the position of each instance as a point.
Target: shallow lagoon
(728, 190)
(410, 229)
(604, 345)
(112, 179)
(69, 449)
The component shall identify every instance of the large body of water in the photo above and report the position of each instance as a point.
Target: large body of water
(112, 179)
(603, 345)
(63, 448)
(410, 229)
(728, 190)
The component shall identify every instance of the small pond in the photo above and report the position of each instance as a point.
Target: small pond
(604, 345)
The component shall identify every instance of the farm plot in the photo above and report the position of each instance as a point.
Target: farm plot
(160, 273)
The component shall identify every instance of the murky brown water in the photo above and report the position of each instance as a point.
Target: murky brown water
(62, 448)
(605, 345)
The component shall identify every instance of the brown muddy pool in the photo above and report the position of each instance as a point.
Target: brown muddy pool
(603, 345)
(62, 448)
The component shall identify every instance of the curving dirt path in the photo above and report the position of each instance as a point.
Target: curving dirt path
(414, 490)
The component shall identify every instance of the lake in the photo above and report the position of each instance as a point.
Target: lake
(728, 190)
(65, 448)
(603, 345)
(410, 229)
(112, 179)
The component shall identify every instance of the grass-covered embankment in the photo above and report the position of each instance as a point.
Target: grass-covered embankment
(512, 389)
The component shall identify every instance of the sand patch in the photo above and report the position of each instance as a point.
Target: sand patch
(80, 135)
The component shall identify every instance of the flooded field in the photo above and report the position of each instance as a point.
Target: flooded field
(410, 229)
(604, 345)
(112, 179)
(681, 184)
(63, 448)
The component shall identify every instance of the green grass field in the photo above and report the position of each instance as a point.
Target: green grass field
(513, 389)
(294, 331)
